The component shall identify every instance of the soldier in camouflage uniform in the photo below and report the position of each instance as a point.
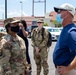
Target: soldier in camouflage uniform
(14, 49)
(40, 47)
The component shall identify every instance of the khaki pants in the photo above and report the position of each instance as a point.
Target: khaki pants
(72, 72)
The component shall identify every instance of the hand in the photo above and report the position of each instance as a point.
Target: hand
(63, 69)
(28, 67)
(37, 49)
(21, 26)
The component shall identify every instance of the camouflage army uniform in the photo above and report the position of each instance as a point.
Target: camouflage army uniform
(41, 57)
(17, 51)
(5, 55)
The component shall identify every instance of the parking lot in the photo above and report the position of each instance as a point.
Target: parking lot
(50, 60)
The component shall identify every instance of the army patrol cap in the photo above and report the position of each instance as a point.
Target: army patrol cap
(10, 20)
(15, 21)
(40, 21)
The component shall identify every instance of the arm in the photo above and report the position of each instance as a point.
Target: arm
(73, 64)
(27, 66)
(5, 52)
(25, 33)
(66, 69)
(5, 58)
(23, 53)
(32, 38)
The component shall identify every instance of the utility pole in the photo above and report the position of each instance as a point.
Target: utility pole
(32, 7)
(45, 6)
(5, 9)
(21, 9)
(38, 1)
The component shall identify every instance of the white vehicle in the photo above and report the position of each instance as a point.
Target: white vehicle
(2, 29)
(61, 28)
(55, 32)
(46, 27)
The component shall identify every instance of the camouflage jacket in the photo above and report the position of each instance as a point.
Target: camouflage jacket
(37, 40)
(14, 50)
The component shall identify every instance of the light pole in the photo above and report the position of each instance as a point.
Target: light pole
(21, 9)
(38, 1)
(5, 9)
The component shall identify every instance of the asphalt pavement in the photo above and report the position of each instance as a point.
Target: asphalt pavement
(50, 59)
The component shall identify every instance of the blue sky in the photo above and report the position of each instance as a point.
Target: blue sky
(14, 7)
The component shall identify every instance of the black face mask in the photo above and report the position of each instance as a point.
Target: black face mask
(15, 29)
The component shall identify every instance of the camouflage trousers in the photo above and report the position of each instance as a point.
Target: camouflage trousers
(18, 69)
(13, 69)
(41, 61)
(6, 69)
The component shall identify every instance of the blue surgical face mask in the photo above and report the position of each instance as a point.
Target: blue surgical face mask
(59, 19)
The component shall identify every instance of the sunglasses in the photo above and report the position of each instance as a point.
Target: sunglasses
(63, 10)
(39, 22)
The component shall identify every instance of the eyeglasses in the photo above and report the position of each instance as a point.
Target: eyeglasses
(39, 22)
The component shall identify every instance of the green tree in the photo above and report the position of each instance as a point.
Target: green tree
(45, 24)
(56, 23)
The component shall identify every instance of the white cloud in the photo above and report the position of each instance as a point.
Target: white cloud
(16, 14)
